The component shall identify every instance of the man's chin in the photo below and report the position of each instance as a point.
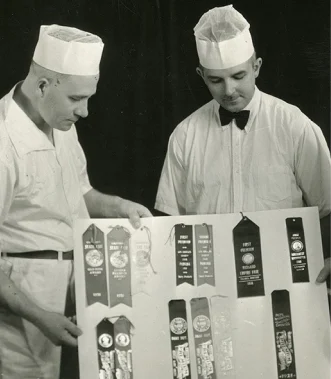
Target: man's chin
(65, 126)
(232, 106)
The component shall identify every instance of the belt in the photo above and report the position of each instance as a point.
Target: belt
(43, 254)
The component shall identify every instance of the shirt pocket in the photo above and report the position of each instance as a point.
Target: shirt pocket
(273, 183)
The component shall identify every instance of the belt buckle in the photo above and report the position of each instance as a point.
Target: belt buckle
(60, 255)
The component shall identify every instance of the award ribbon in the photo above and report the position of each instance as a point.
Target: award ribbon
(95, 266)
(297, 246)
(106, 349)
(123, 356)
(141, 259)
(222, 336)
(179, 340)
(203, 338)
(205, 254)
(118, 241)
(184, 254)
(248, 258)
(282, 321)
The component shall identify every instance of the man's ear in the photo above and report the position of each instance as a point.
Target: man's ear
(42, 86)
(257, 66)
(199, 72)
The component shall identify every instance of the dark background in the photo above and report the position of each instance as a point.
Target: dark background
(148, 82)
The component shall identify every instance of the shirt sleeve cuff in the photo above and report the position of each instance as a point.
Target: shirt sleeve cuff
(86, 187)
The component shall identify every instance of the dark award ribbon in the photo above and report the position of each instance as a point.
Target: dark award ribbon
(95, 266)
(179, 340)
(184, 254)
(118, 241)
(282, 321)
(297, 246)
(204, 348)
(248, 258)
(123, 356)
(205, 254)
(106, 349)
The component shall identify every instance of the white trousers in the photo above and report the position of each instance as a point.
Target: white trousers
(25, 353)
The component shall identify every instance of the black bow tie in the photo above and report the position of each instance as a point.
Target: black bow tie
(241, 117)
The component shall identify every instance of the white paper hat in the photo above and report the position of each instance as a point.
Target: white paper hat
(223, 39)
(68, 50)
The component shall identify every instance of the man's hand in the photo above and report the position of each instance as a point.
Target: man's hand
(325, 272)
(133, 211)
(108, 206)
(58, 328)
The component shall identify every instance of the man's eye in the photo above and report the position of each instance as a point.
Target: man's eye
(239, 77)
(73, 98)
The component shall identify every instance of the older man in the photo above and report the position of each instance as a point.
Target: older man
(44, 188)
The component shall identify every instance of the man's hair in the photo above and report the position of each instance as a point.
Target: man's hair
(42, 72)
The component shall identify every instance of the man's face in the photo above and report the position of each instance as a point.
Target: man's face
(64, 101)
(232, 88)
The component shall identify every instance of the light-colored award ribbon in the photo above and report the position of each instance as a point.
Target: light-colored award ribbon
(222, 337)
(142, 267)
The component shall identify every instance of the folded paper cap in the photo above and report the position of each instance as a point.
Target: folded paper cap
(223, 39)
(68, 50)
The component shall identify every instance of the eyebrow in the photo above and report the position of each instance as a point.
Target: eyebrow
(218, 77)
(239, 73)
(81, 97)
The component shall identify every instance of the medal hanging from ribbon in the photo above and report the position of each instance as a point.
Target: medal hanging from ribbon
(95, 266)
(297, 246)
(222, 336)
(205, 254)
(179, 340)
(184, 254)
(106, 349)
(284, 342)
(123, 349)
(141, 259)
(204, 348)
(248, 258)
(118, 242)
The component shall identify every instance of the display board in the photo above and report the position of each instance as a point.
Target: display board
(214, 296)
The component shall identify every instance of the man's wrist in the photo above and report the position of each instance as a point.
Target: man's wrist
(35, 315)
(113, 206)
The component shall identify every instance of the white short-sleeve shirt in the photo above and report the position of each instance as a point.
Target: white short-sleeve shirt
(41, 185)
(280, 160)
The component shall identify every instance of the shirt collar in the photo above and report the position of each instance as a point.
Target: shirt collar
(252, 106)
(23, 132)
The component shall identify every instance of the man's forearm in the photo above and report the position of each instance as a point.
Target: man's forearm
(101, 205)
(16, 301)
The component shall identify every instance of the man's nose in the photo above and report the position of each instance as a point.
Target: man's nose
(229, 88)
(82, 109)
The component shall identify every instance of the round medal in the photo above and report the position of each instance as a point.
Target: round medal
(94, 258)
(178, 325)
(201, 323)
(119, 259)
